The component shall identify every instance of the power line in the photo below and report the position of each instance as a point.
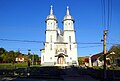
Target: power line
(30, 41)
(109, 17)
(103, 14)
(90, 46)
(21, 41)
(115, 40)
(89, 43)
(108, 14)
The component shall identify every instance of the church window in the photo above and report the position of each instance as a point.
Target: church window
(51, 58)
(51, 38)
(70, 46)
(70, 39)
(70, 58)
(50, 46)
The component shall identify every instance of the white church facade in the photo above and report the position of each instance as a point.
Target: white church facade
(60, 47)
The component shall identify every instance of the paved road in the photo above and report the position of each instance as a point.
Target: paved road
(27, 79)
(73, 75)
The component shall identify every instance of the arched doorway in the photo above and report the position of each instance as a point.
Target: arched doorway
(60, 59)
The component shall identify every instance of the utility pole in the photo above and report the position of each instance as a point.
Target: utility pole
(104, 52)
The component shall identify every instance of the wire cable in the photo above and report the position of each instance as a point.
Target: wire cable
(22, 41)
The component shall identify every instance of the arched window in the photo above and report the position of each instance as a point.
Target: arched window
(50, 46)
(70, 39)
(50, 38)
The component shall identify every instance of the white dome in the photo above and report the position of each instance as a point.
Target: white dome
(51, 16)
(68, 16)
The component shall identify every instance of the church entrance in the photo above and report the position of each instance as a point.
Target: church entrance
(60, 60)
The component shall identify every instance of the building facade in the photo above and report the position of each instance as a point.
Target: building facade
(60, 47)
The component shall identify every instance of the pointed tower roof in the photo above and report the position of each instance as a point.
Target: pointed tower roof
(51, 15)
(68, 16)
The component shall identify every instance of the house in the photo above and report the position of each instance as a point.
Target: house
(98, 59)
(21, 58)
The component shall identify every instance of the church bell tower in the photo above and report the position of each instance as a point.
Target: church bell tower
(68, 23)
(51, 27)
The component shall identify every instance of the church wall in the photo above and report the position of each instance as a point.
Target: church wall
(67, 35)
(51, 36)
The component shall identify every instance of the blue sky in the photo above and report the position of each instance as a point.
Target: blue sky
(25, 20)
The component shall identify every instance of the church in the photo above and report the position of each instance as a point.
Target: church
(60, 47)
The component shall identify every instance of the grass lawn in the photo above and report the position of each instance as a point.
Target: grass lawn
(12, 66)
(15, 65)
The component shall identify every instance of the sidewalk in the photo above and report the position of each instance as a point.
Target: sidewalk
(72, 75)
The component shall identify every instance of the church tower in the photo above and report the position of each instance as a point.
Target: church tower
(51, 27)
(47, 56)
(69, 37)
(68, 23)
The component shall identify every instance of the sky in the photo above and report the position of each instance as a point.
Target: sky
(25, 20)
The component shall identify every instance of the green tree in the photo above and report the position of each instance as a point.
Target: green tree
(2, 53)
(2, 50)
(34, 58)
(80, 61)
(5, 57)
(116, 50)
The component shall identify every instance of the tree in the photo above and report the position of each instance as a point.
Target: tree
(5, 57)
(11, 56)
(34, 58)
(80, 61)
(2, 50)
(8, 57)
(116, 50)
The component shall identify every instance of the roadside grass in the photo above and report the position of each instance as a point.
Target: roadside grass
(108, 68)
(15, 65)
(12, 66)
